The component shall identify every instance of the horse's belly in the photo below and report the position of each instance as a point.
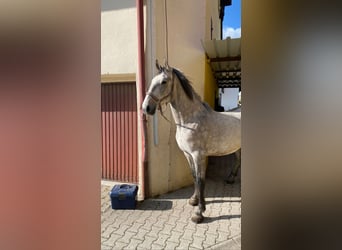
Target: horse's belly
(209, 142)
(222, 146)
(225, 140)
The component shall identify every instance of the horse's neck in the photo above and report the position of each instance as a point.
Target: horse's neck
(183, 109)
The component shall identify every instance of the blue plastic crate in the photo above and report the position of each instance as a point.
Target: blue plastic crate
(123, 196)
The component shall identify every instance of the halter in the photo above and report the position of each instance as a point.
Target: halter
(158, 101)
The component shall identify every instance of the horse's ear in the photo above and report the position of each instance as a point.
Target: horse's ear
(158, 66)
(166, 64)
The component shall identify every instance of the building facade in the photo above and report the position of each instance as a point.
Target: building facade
(173, 30)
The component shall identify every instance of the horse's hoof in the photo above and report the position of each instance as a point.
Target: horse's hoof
(198, 218)
(193, 201)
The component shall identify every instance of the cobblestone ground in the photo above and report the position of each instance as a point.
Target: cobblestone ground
(164, 222)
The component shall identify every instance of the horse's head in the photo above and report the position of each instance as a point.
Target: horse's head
(160, 90)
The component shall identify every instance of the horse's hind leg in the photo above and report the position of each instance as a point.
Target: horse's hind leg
(237, 165)
(193, 201)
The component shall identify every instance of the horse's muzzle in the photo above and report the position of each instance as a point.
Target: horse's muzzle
(150, 110)
(148, 107)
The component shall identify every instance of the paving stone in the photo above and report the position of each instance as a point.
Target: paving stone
(147, 226)
(177, 212)
(206, 245)
(103, 247)
(107, 215)
(229, 244)
(194, 248)
(184, 244)
(112, 239)
(171, 245)
(175, 236)
(188, 235)
(109, 230)
(172, 221)
(147, 243)
(105, 224)
(210, 238)
(238, 240)
(165, 216)
(179, 226)
(151, 220)
(157, 247)
(154, 232)
(142, 217)
(141, 234)
(212, 229)
(190, 226)
(200, 232)
(103, 239)
(161, 240)
(133, 244)
(222, 236)
(202, 226)
(167, 229)
(122, 230)
(119, 245)
(224, 227)
(234, 232)
(135, 227)
(127, 237)
(197, 242)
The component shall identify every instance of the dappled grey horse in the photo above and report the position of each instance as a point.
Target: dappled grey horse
(201, 132)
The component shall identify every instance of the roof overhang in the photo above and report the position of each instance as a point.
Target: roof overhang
(224, 57)
(224, 3)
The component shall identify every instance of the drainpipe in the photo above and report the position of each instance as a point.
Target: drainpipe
(141, 84)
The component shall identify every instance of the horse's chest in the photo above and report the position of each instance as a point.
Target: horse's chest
(189, 138)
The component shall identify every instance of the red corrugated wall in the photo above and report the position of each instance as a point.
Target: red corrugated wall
(119, 132)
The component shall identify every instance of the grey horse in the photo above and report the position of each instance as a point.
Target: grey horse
(201, 131)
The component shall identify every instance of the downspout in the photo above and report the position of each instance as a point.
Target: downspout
(141, 85)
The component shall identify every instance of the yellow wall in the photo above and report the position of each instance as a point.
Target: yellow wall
(210, 86)
(212, 9)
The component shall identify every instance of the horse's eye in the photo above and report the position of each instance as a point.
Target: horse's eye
(163, 82)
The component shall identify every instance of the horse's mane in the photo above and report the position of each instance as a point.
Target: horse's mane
(185, 83)
(188, 89)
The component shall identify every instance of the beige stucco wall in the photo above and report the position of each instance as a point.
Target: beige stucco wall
(187, 26)
(118, 37)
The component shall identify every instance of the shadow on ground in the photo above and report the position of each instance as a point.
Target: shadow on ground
(221, 217)
(154, 204)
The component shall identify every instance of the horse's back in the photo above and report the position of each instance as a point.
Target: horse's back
(237, 109)
(235, 114)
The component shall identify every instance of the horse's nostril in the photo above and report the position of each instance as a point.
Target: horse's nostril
(148, 109)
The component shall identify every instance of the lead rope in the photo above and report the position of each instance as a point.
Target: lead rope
(162, 114)
(166, 36)
(166, 60)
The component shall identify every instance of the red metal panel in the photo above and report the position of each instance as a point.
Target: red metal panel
(119, 132)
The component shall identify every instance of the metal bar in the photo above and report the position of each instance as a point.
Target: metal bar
(225, 59)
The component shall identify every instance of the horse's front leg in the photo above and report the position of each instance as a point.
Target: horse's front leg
(193, 201)
(200, 170)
